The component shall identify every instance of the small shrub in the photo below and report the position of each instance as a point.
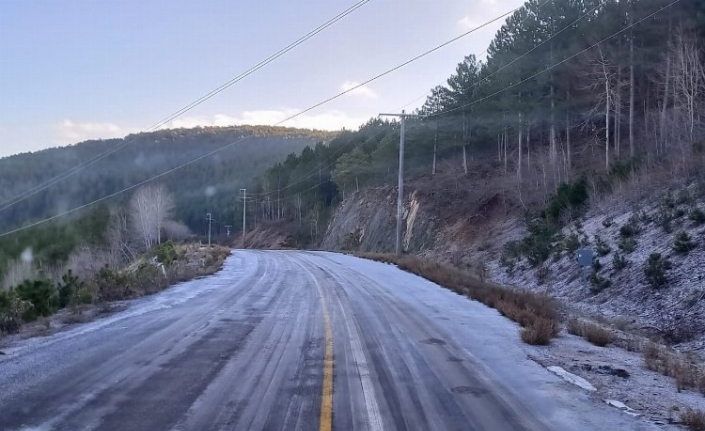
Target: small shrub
(693, 419)
(644, 217)
(683, 197)
(43, 296)
(627, 245)
(540, 332)
(570, 199)
(601, 247)
(597, 335)
(619, 262)
(655, 270)
(664, 217)
(507, 263)
(12, 308)
(697, 216)
(539, 244)
(575, 327)
(571, 243)
(69, 288)
(543, 274)
(683, 243)
(598, 283)
(628, 230)
(165, 253)
(596, 264)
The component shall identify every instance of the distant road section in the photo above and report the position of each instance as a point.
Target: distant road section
(293, 341)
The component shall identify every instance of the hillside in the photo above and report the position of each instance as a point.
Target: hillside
(209, 185)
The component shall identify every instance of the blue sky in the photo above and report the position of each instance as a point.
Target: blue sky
(72, 70)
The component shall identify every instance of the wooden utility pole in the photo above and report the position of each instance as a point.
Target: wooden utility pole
(244, 215)
(400, 194)
(210, 219)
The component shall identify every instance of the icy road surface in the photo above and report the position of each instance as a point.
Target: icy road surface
(294, 341)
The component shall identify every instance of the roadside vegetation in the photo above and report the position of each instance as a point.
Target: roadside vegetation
(537, 314)
(104, 256)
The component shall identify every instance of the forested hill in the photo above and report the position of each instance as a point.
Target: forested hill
(568, 88)
(210, 184)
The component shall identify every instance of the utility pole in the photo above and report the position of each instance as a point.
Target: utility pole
(210, 219)
(400, 194)
(244, 215)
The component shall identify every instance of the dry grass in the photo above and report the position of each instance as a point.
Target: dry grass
(687, 372)
(575, 327)
(538, 314)
(597, 335)
(693, 419)
(592, 332)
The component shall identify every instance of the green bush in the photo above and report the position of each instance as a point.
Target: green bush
(43, 296)
(697, 216)
(69, 289)
(165, 253)
(596, 264)
(627, 245)
(629, 230)
(619, 262)
(656, 270)
(12, 308)
(113, 286)
(571, 243)
(601, 247)
(664, 217)
(540, 243)
(683, 243)
(570, 197)
(598, 283)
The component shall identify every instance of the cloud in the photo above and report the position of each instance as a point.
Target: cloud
(329, 120)
(487, 10)
(363, 91)
(72, 132)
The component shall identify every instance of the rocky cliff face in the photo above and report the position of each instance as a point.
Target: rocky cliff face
(367, 222)
(457, 223)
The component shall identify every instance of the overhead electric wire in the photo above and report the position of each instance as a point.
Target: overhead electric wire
(485, 52)
(328, 100)
(43, 186)
(557, 64)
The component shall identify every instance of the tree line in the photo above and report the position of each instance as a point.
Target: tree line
(568, 86)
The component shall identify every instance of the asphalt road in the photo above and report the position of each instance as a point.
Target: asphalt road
(275, 341)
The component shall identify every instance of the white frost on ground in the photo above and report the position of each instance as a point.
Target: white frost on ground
(623, 407)
(493, 342)
(629, 297)
(571, 378)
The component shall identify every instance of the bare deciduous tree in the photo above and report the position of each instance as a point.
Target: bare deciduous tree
(150, 207)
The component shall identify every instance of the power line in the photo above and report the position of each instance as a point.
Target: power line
(328, 100)
(33, 191)
(557, 64)
(485, 52)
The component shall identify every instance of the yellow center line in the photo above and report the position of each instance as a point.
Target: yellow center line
(326, 419)
(327, 399)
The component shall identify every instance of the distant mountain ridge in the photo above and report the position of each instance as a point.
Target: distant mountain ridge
(210, 184)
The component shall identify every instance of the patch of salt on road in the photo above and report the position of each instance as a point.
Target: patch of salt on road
(572, 378)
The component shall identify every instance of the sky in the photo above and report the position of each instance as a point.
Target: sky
(74, 70)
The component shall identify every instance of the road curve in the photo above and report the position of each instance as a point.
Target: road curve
(292, 341)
